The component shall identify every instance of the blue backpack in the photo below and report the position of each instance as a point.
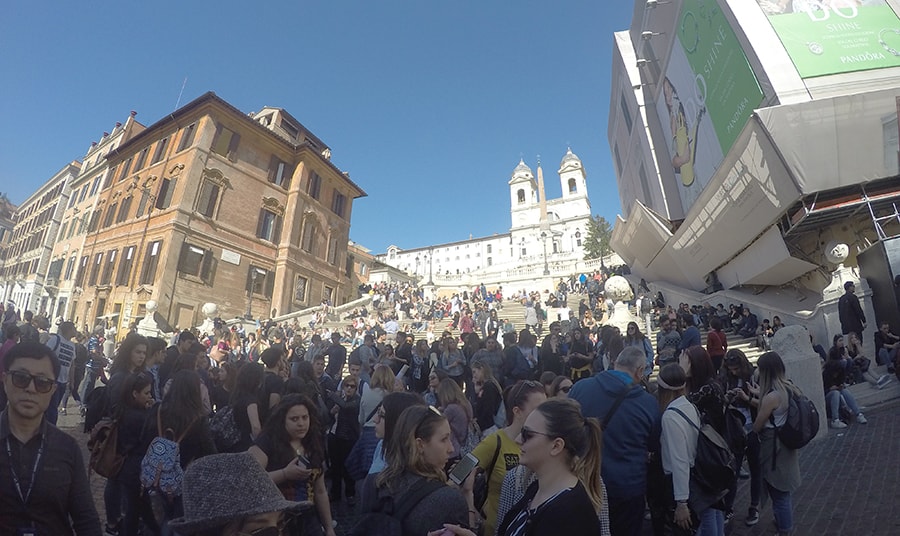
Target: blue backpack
(161, 467)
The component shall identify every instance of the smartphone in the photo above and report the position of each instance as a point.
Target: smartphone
(462, 469)
(303, 460)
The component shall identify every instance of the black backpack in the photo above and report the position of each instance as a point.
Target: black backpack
(801, 424)
(98, 406)
(714, 463)
(387, 519)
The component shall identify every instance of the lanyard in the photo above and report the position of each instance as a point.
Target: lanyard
(15, 476)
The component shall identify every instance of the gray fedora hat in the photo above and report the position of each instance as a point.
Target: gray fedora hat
(221, 488)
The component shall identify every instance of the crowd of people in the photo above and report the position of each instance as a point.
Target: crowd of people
(565, 430)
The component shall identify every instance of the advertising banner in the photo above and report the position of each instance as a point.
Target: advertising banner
(826, 37)
(706, 96)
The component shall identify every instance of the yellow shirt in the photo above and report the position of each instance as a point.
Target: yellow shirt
(507, 459)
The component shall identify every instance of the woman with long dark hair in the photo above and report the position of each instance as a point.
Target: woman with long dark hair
(457, 410)
(133, 408)
(291, 449)
(737, 378)
(580, 358)
(244, 404)
(181, 414)
(634, 337)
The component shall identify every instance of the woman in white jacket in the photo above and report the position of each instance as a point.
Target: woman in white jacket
(678, 442)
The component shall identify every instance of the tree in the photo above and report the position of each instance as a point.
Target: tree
(599, 233)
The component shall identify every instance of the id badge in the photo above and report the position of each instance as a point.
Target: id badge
(26, 531)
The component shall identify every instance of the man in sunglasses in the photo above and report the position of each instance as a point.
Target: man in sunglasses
(43, 482)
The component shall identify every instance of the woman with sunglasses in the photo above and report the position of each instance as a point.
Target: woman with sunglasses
(291, 449)
(560, 387)
(634, 337)
(499, 451)
(416, 457)
(342, 436)
(580, 358)
(562, 448)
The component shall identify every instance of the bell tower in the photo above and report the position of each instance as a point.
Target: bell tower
(522, 194)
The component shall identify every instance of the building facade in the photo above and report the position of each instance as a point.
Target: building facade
(209, 204)
(27, 271)
(747, 136)
(543, 234)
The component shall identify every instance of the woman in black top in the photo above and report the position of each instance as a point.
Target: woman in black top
(563, 450)
(133, 408)
(245, 404)
(488, 397)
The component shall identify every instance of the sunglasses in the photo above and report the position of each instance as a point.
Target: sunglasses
(527, 383)
(432, 410)
(527, 434)
(22, 379)
(351, 385)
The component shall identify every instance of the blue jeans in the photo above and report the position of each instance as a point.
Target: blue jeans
(712, 523)
(886, 357)
(834, 402)
(782, 508)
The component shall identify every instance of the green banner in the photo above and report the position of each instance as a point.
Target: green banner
(722, 72)
(826, 37)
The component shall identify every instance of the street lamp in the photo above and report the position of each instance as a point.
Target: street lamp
(544, 239)
(417, 270)
(430, 264)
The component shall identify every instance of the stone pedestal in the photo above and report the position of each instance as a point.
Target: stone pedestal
(148, 326)
(830, 296)
(802, 366)
(210, 310)
(619, 291)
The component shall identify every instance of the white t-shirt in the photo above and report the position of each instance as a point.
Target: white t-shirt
(65, 352)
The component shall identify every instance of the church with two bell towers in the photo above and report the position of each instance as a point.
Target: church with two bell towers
(543, 232)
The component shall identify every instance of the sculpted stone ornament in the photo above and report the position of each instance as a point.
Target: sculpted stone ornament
(836, 252)
(210, 311)
(148, 326)
(619, 291)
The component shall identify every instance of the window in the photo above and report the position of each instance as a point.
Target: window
(489, 248)
(520, 196)
(110, 214)
(62, 229)
(109, 177)
(73, 198)
(187, 137)
(306, 237)
(260, 281)
(160, 151)
(300, 286)
(151, 261)
(83, 193)
(524, 252)
(280, 172)
(166, 189)
(125, 266)
(226, 143)
(108, 267)
(573, 187)
(626, 115)
(95, 185)
(141, 159)
(208, 198)
(125, 167)
(332, 250)
(124, 210)
(328, 294)
(338, 201)
(489, 261)
(95, 269)
(196, 261)
(269, 226)
(315, 185)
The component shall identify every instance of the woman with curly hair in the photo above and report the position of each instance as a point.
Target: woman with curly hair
(292, 451)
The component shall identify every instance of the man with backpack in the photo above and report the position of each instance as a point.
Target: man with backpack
(61, 345)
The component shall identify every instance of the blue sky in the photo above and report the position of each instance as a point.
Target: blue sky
(427, 104)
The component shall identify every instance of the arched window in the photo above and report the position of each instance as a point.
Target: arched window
(521, 196)
(572, 186)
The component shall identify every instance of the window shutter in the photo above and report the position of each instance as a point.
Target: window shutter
(273, 168)
(249, 287)
(260, 223)
(288, 173)
(276, 232)
(232, 147)
(270, 283)
(207, 269)
(183, 256)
